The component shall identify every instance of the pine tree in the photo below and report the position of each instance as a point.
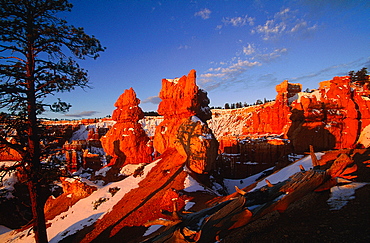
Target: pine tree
(33, 65)
(360, 77)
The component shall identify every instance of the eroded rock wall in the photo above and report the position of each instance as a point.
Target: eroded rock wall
(185, 110)
(126, 142)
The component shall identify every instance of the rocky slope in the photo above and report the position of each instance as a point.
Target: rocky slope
(331, 117)
(116, 202)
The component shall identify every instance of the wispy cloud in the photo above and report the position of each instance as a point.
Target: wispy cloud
(226, 74)
(152, 99)
(239, 21)
(249, 49)
(233, 72)
(270, 56)
(284, 22)
(340, 69)
(204, 13)
(183, 47)
(82, 114)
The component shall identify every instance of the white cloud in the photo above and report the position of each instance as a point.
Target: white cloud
(283, 22)
(220, 76)
(239, 21)
(204, 13)
(249, 50)
(268, 57)
(152, 99)
(233, 72)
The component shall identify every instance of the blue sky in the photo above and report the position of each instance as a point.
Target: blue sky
(240, 49)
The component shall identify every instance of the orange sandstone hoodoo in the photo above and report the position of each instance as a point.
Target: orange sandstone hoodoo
(127, 141)
(185, 110)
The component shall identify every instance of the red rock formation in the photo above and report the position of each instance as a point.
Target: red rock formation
(185, 110)
(331, 117)
(271, 117)
(146, 202)
(73, 191)
(126, 141)
(8, 154)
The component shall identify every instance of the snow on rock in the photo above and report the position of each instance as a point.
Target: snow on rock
(4, 233)
(4, 230)
(149, 123)
(364, 138)
(85, 212)
(129, 169)
(80, 134)
(8, 181)
(191, 185)
(284, 173)
(153, 229)
(241, 183)
(340, 195)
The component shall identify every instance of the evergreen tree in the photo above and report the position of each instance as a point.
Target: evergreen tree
(227, 106)
(33, 65)
(360, 76)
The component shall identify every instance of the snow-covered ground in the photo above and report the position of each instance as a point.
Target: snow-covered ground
(84, 213)
(8, 180)
(149, 123)
(340, 195)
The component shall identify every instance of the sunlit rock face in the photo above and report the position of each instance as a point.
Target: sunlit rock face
(268, 118)
(185, 110)
(331, 117)
(8, 154)
(126, 142)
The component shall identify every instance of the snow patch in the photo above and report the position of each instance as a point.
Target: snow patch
(152, 229)
(83, 213)
(241, 183)
(284, 173)
(196, 119)
(188, 205)
(174, 80)
(129, 169)
(191, 185)
(340, 195)
(364, 138)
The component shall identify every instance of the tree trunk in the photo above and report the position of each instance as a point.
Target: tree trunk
(34, 150)
(38, 217)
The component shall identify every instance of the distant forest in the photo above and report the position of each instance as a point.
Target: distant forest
(241, 104)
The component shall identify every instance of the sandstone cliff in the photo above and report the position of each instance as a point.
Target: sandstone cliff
(331, 117)
(185, 109)
(126, 142)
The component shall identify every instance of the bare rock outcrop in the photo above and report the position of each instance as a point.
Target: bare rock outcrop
(73, 190)
(126, 142)
(185, 110)
(331, 117)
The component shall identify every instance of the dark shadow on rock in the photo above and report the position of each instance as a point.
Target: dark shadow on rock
(245, 159)
(302, 134)
(115, 165)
